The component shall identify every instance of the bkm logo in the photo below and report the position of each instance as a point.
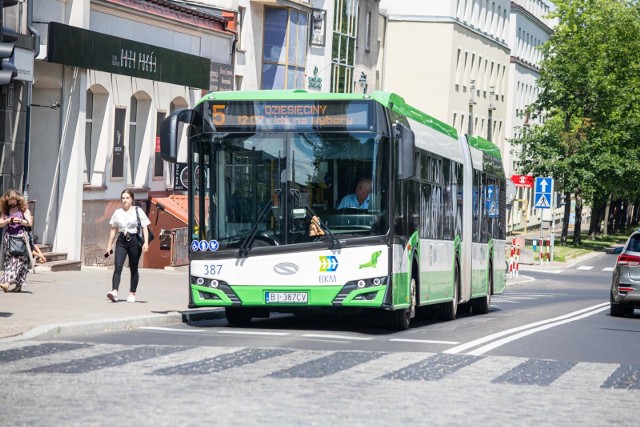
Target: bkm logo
(328, 263)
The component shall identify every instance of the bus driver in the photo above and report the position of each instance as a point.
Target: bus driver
(360, 199)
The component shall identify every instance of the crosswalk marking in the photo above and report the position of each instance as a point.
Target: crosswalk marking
(585, 267)
(278, 364)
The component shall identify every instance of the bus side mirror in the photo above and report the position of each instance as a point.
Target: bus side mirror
(406, 152)
(169, 133)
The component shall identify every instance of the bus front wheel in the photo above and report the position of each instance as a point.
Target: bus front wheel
(399, 320)
(237, 316)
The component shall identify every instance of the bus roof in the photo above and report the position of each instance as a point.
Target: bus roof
(485, 146)
(390, 100)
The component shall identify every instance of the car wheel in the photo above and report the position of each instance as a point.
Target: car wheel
(616, 310)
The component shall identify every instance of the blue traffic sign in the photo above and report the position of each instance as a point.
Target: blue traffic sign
(491, 202)
(543, 190)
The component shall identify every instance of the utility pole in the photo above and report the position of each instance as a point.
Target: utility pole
(472, 102)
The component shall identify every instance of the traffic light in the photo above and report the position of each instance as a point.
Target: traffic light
(7, 37)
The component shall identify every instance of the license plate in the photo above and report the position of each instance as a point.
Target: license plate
(286, 297)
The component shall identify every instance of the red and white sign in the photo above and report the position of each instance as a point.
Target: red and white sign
(523, 181)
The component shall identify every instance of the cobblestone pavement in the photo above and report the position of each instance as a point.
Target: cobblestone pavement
(69, 383)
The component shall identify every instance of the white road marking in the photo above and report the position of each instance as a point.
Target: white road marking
(424, 341)
(277, 334)
(585, 267)
(608, 269)
(158, 328)
(482, 350)
(554, 322)
(339, 337)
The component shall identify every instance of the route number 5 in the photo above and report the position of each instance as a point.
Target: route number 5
(218, 115)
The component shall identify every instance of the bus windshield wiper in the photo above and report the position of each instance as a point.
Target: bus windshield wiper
(335, 243)
(243, 252)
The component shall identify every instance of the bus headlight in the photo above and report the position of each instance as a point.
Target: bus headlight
(361, 283)
(200, 281)
(214, 283)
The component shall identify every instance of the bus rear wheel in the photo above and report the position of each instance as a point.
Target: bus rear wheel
(237, 316)
(399, 320)
(482, 305)
(450, 310)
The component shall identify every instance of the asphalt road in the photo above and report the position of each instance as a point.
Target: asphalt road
(548, 353)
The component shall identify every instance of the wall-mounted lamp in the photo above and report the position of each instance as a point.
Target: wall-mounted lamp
(54, 105)
(362, 81)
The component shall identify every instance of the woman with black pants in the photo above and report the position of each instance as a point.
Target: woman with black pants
(124, 223)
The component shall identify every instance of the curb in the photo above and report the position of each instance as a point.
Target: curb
(96, 326)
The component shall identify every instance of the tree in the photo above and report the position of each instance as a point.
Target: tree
(590, 93)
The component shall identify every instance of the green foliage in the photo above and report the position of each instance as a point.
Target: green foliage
(590, 96)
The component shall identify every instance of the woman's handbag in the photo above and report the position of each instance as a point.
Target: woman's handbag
(17, 245)
(140, 235)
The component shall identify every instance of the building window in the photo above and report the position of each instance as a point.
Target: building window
(117, 157)
(88, 132)
(158, 163)
(133, 158)
(285, 49)
(241, 13)
(367, 40)
(238, 82)
(344, 42)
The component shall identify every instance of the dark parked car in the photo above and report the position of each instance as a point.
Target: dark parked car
(625, 285)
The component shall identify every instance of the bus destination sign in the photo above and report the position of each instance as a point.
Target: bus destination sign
(291, 115)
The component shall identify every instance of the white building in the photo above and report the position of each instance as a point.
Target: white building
(529, 28)
(450, 58)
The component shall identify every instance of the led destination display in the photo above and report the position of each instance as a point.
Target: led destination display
(292, 115)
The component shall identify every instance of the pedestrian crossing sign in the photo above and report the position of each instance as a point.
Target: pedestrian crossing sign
(542, 201)
(543, 190)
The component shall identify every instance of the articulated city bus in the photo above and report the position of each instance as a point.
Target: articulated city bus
(270, 232)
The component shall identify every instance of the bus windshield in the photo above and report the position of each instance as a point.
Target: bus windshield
(288, 188)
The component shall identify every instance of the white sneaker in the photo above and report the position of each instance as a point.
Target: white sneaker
(113, 296)
(132, 298)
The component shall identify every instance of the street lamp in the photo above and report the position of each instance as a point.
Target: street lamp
(362, 81)
(54, 105)
(492, 94)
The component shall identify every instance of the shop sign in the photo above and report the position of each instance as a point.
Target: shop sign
(97, 51)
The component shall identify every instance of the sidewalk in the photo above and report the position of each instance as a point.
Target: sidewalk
(56, 304)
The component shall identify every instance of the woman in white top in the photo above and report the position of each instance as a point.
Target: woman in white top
(124, 224)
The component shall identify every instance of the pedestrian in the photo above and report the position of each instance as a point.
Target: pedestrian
(124, 225)
(15, 217)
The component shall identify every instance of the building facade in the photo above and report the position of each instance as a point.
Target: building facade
(450, 59)
(116, 68)
(529, 28)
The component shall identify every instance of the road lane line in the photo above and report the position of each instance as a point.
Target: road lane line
(278, 334)
(492, 337)
(608, 269)
(496, 344)
(424, 341)
(159, 328)
(585, 267)
(339, 337)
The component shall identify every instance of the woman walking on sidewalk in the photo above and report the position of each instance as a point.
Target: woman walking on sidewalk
(15, 217)
(124, 223)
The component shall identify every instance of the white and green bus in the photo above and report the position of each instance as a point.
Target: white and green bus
(268, 172)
